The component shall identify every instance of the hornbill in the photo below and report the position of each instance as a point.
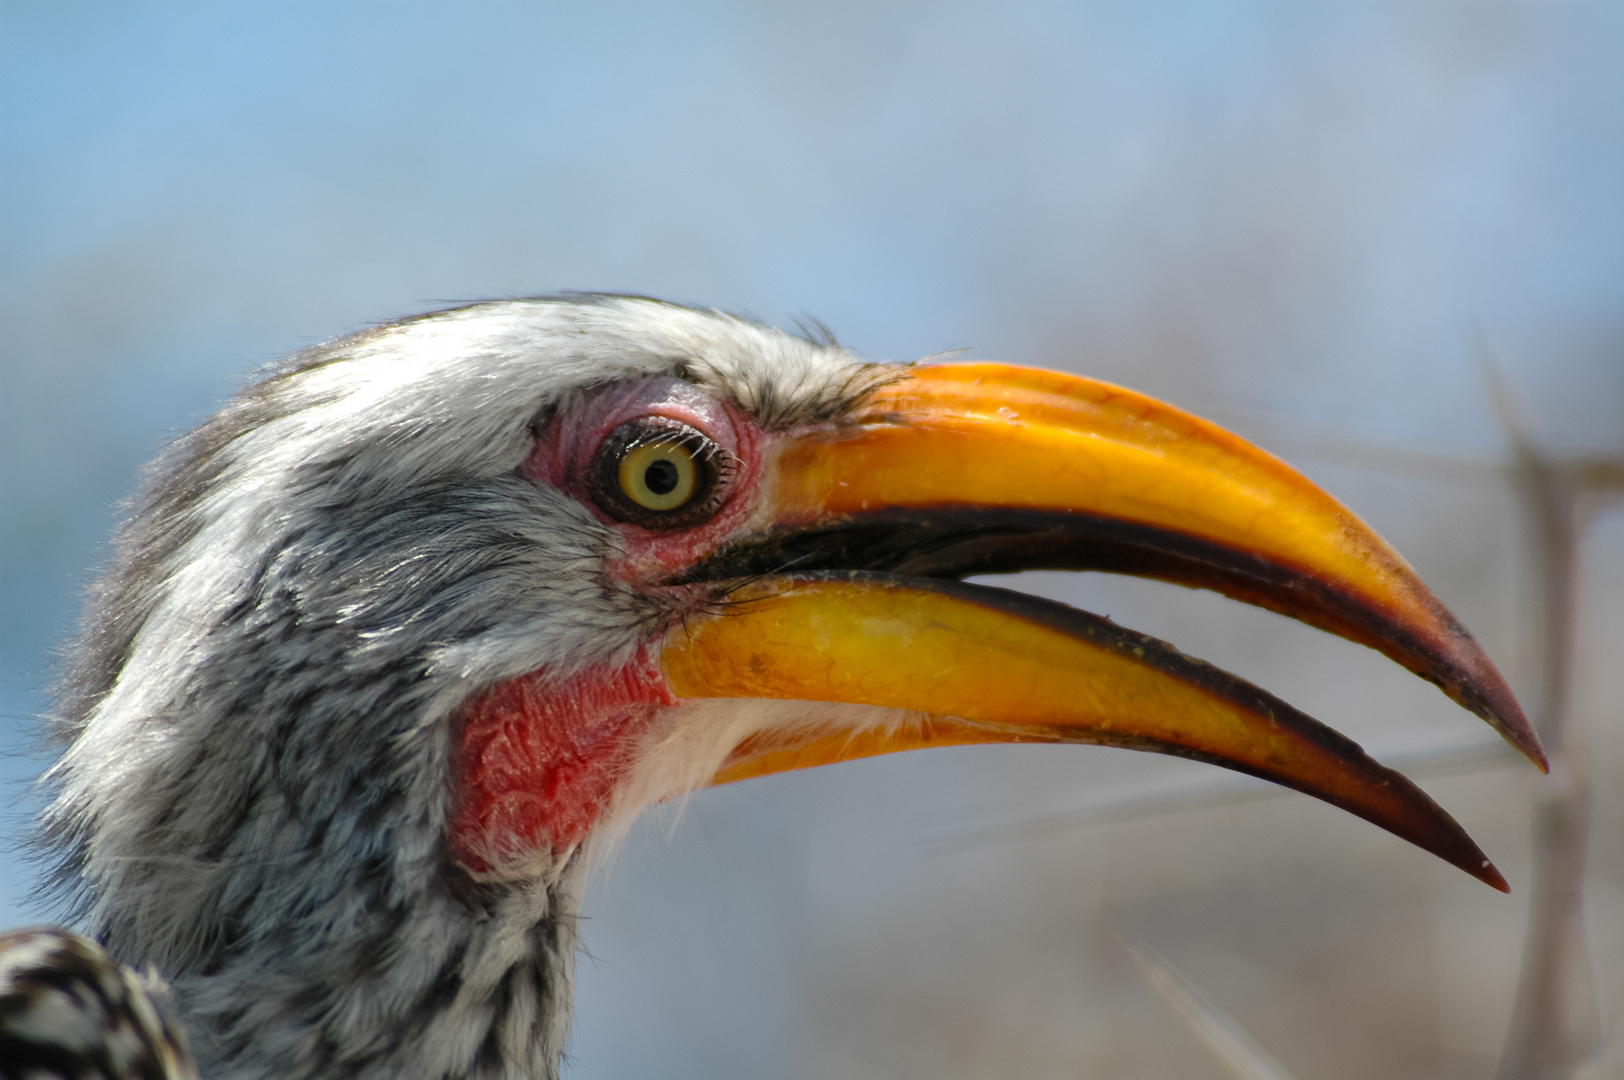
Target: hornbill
(419, 621)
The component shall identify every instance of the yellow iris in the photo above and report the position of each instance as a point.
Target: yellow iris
(659, 475)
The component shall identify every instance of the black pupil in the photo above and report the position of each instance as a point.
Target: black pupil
(661, 477)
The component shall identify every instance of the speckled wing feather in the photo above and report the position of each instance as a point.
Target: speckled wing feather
(68, 1010)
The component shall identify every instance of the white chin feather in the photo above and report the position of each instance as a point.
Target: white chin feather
(689, 743)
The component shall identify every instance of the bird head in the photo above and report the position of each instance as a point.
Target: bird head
(391, 643)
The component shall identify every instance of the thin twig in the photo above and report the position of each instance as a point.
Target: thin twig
(1230, 1043)
(1554, 1023)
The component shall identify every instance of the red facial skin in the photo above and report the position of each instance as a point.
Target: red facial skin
(538, 758)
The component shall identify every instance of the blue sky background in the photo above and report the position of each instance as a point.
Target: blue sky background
(1311, 221)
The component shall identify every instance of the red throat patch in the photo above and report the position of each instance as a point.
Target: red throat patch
(539, 759)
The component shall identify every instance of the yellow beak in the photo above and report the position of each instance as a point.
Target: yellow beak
(850, 594)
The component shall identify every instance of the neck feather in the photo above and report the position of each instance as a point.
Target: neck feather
(474, 987)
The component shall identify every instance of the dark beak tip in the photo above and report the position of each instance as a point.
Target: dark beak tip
(1452, 844)
(1536, 754)
(1509, 719)
(1473, 681)
(1499, 708)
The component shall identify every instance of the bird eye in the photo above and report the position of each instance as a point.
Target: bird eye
(659, 473)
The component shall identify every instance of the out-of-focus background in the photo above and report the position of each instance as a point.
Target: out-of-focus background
(1321, 225)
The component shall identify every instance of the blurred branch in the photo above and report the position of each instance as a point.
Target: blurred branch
(1554, 1023)
(1229, 1042)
